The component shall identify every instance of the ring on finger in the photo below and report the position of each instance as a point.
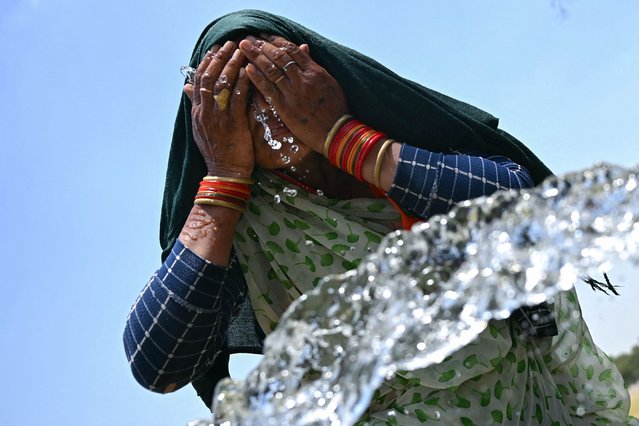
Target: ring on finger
(279, 78)
(288, 64)
(222, 99)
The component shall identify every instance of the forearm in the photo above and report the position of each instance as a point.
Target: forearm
(209, 232)
(428, 183)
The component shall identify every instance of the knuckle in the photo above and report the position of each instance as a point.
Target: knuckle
(290, 47)
(278, 54)
(271, 70)
(206, 79)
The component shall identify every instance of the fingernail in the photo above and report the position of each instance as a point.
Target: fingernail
(251, 38)
(228, 44)
(242, 72)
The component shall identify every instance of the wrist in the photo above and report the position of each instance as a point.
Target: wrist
(231, 172)
(224, 191)
(359, 150)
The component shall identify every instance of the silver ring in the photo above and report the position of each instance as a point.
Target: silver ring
(285, 67)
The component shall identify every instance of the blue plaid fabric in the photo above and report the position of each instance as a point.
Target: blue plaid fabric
(177, 325)
(429, 183)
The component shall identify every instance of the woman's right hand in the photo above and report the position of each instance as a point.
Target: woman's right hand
(220, 112)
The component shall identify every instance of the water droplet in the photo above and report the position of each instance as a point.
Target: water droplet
(237, 92)
(277, 199)
(188, 73)
(223, 79)
(319, 192)
(295, 149)
(291, 192)
(293, 168)
(268, 100)
(285, 158)
(289, 139)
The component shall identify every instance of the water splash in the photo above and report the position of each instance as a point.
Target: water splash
(336, 344)
(261, 118)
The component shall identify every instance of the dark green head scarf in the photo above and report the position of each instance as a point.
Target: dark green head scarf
(403, 109)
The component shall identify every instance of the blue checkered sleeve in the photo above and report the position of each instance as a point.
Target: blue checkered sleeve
(176, 327)
(429, 183)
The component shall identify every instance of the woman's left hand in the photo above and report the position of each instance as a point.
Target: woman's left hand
(306, 97)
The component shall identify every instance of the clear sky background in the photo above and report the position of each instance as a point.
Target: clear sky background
(89, 92)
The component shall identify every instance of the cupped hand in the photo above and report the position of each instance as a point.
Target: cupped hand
(220, 112)
(306, 97)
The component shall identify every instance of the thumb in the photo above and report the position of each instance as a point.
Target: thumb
(188, 90)
(304, 48)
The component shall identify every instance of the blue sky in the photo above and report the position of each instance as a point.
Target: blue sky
(89, 95)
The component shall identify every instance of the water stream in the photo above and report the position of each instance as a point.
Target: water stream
(427, 292)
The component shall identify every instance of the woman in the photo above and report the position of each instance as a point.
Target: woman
(270, 219)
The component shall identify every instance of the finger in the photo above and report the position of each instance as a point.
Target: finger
(188, 91)
(263, 85)
(200, 70)
(211, 74)
(227, 79)
(304, 48)
(240, 93)
(280, 57)
(301, 57)
(198, 76)
(251, 48)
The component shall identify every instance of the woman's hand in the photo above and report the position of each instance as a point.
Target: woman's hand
(306, 97)
(220, 112)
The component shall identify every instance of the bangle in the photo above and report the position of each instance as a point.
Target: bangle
(216, 202)
(365, 151)
(378, 163)
(331, 133)
(224, 191)
(246, 181)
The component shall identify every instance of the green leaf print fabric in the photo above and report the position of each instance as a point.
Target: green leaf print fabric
(505, 377)
(287, 244)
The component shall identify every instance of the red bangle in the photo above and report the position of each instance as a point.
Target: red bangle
(366, 150)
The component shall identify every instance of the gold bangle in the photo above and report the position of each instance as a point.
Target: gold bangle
(247, 181)
(334, 129)
(378, 163)
(218, 203)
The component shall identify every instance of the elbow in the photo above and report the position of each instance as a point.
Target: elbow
(145, 370)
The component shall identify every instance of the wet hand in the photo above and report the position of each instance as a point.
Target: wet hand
(307, 98)
(220, 112)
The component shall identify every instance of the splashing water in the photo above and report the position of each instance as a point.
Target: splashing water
(335, 345)
(261, 118)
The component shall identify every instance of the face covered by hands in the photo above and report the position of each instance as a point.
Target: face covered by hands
(307, 98)
(296, 100)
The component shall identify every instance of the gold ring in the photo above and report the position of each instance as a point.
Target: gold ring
(202, 89)
(222, 99)
(279, 79)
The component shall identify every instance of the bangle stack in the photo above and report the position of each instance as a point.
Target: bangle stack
(350, 142)
(225, 192)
